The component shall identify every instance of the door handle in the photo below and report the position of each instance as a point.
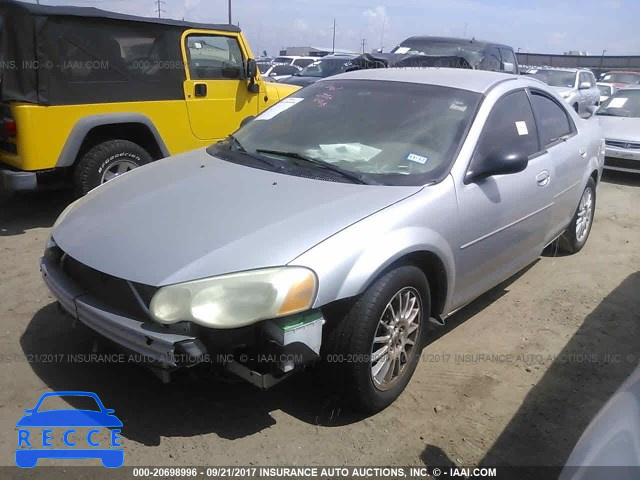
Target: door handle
(543, 178)
(583, 152)
(200, 90)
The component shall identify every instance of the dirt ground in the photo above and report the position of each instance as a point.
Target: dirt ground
(513, 379)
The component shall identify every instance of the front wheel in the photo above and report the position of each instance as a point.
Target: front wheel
(107, 161)
(576, 235)
(374, 348)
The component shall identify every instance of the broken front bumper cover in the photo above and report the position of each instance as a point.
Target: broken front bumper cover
(164, 349)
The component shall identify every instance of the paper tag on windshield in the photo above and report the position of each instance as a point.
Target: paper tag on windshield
(617, 102)
(402, 50)
(522, 128)
(414, 157)
(278, 108)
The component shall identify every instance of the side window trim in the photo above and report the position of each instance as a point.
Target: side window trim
(572, 125)
(186, 56)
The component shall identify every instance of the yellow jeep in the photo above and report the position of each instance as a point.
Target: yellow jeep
(86, 95)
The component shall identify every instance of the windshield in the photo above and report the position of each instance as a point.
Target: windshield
(471, 51)
(555, 78)
(630, 78)
(622, 104)
(326, 68)
(388, 132)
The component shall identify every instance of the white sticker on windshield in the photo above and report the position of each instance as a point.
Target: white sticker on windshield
(522, 128)
(402, 50)
(533, 71)
(617, 102)
(278, 108)
(414, 157)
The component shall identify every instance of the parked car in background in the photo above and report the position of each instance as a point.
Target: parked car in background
(619, 118)
(277, 72)
(321, 68)
(334, 225)
(264, 64)
(480, 55)
(606, 90)
(577, 86)
(621, 78)
(294, 60)
(80, 124)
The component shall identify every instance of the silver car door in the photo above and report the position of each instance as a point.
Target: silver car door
(504, 218)
(558, 135)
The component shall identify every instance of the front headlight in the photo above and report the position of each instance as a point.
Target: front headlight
(237, 299)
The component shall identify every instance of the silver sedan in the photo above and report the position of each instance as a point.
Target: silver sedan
(332, 227)
(619, 118)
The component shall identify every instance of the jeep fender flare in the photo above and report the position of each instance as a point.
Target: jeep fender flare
(80, 130)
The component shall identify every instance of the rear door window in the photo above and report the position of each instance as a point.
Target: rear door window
(553, 120)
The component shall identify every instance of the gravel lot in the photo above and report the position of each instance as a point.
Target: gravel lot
(513, 379)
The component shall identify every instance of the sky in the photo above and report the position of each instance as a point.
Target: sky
(539, 26)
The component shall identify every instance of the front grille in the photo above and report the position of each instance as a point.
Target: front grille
(621, 144)
(114, 292)
(622, 163)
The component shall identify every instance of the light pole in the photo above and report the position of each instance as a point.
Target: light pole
(602, 57)
(230, 12)
(333, 47)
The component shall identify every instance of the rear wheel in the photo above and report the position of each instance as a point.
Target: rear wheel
(576, 235)
(107, 161)
(374, 348)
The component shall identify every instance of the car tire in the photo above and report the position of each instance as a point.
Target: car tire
(106, 161)
(350, 345)
(577, 233)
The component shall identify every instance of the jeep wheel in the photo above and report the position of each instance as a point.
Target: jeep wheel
(106, 161)
(374, 348)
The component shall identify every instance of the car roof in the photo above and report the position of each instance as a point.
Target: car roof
(636, 72)
(562, 69)
(629, 87)
(479, 81)
(454, 40)
(91, 12)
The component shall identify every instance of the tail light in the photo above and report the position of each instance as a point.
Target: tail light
(10, 129)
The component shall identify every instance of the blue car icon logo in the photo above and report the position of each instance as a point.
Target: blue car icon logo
(34, 445)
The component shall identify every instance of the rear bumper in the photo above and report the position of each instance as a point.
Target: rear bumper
(163, 349)
(17, 181)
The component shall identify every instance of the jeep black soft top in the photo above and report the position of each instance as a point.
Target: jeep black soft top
(52, 55)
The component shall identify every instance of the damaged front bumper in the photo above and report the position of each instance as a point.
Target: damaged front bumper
(263, 355)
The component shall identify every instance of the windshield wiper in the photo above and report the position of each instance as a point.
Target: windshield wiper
(239, 148)
(237, 143)
(354, 177)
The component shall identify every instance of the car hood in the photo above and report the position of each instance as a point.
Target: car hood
(299, 80)
(274, 90)
(620, 128)
(562, 90)
(194, 216)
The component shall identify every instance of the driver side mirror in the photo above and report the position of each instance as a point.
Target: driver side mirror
(252, 71)
(584, 86)
(252, 68)
(499, 162)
